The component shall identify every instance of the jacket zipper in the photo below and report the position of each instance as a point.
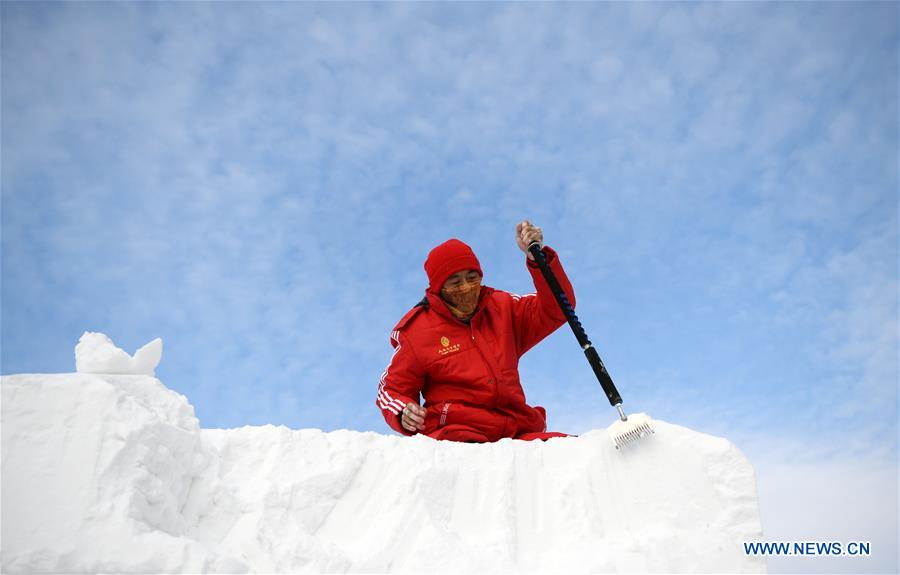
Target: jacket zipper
(488, 365)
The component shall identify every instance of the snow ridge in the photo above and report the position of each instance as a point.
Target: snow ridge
(112, 473)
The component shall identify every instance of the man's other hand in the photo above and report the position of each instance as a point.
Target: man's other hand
(413, 418)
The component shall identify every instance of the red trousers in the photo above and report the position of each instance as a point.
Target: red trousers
(467, 423)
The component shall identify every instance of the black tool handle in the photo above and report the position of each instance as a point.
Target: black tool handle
(606, 382)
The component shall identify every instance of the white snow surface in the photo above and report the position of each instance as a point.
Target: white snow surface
(112, 473)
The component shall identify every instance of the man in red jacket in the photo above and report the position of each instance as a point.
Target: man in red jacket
(460, 347)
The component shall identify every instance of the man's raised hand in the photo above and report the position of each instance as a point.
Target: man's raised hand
(527, 233)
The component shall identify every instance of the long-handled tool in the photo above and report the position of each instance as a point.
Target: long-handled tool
(626, 429)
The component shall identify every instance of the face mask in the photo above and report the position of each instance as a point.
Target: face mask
(462, 300)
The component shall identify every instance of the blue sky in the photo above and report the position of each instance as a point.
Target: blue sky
(259, 184)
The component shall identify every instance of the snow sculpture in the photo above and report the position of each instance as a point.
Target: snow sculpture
(112, 473)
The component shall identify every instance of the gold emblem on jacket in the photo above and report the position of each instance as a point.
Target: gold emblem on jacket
(445, 341)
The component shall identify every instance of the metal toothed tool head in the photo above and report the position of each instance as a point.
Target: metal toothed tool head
(629, 430)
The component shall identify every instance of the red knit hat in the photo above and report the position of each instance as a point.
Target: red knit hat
(447, 259)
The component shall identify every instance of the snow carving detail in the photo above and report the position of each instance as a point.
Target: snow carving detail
(96, 353)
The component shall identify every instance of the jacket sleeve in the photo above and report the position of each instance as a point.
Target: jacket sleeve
(537, 315)
(400, 383)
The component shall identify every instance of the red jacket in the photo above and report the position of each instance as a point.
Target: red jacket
(468, 374)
